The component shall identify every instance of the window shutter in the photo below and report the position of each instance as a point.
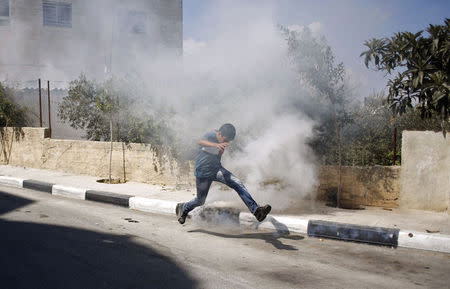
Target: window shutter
(65, 15)
(4, 8)
(57, 14)
(50, 12)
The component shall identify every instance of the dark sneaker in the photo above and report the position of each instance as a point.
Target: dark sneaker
(261, 212)
(180, 214)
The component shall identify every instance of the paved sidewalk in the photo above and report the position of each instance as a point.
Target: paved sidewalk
(407, 228)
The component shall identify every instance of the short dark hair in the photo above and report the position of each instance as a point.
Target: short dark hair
(227, 130)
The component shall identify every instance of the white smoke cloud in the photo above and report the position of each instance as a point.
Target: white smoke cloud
(278, 163)
(191, 46)
(315, 27)
(242, 76)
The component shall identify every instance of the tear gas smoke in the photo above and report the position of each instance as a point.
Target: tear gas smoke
(238, 74)
(241, 75)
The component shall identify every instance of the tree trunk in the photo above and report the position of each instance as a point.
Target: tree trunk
(123, 146)
(338, 140)
(443, 119)
(6, 142)
(111, 148)
(123, 159)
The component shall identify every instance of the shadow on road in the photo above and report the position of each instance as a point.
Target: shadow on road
(10, 202)
(271, 238)
(47, 256)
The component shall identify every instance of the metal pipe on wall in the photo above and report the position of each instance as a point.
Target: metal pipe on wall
(49, 120)
(40, 104)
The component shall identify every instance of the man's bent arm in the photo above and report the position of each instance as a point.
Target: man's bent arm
(206, 143)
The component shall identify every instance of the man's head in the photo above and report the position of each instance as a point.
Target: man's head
(226, 133)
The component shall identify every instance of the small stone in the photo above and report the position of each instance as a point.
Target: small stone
(432, 231)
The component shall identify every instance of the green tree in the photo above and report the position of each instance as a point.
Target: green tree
(93, 107)
(368, 136)
(112, 111)
(315, 63)
(79, 109)
(11, 115)
(420, 69)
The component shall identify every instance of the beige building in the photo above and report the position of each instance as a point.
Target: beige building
(59, 39)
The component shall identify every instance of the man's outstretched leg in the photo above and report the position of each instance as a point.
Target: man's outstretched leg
(182, 209)
(226, 177)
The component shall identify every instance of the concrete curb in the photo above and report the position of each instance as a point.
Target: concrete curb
(69, 192)
(424, 241)
(355, 233)
(107, 197)
(401, 238)
(11, 181)
(282, 224)
(152, 205)
(38, 186)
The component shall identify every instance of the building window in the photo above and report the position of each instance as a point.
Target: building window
(57, 14)
(134, 22)
(4, 12)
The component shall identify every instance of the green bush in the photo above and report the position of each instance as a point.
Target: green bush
(11, 113)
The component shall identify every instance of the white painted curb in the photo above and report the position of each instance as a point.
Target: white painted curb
(408, 239)
(69, 192)
(152, 205)
(424, 241)
(279, 223)
(12, 182)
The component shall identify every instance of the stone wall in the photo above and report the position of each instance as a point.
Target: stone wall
(367, 186)
(422, 182)
(30, 147)
(425, 174)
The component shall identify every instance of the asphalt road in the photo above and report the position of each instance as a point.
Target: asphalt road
(53, 242)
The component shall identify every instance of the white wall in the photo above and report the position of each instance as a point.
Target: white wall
(425, 173)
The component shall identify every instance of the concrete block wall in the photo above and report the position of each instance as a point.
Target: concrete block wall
(367, 186)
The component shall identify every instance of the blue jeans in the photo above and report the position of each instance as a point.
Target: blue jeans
(227, 178)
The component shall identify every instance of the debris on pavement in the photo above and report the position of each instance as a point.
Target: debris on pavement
(130, 220)
(432, 231)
